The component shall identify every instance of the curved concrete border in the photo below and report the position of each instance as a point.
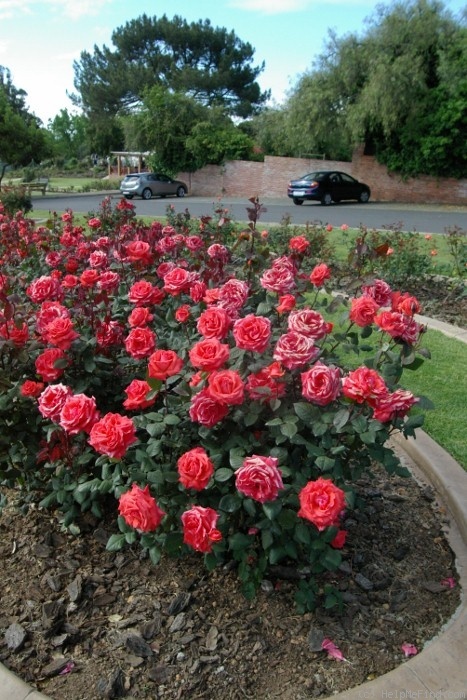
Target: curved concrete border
(439, 671)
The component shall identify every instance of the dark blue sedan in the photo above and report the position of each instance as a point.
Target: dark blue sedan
(327, 186)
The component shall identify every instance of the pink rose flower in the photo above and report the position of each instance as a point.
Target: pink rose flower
(199, 528)
(294, 350)
(79, 413)
(259, 478)
(321, 384)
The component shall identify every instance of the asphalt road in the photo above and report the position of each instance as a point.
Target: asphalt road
(421, 218)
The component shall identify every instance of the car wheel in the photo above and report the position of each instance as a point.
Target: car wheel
(297, 201)
(146, 193)
(364, 197)
(128, 196)
(181, 192)
(326, 199)
(336, 200)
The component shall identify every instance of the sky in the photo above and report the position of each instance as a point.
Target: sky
(40, 39)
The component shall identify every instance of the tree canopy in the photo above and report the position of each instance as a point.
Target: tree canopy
(211, 65)
(401, 88)
(22, 139)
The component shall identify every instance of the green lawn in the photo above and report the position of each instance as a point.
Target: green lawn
(443, 379)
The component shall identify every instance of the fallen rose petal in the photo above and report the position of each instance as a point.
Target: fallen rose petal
(329, 646)
(448, 582)
(409, 649)
(68, 668)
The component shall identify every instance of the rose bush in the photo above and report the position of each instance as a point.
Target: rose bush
(199, 380)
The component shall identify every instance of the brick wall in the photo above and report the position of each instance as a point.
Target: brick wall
(241, 178)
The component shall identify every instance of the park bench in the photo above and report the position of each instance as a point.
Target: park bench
(39, 185)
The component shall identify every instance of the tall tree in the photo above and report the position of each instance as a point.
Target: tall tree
(182, 134)
(69, 135)
(400, 88)
(22, 139)
(212, 65)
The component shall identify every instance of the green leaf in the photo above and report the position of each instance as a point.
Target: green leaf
(171, 419)
(288, 429)
(249, 590)
(155, 555)
(272, 509)
(239, 541)
(287, 519)
(173, 543)
(266, 539)
(302, 533)
(230, 503)
(331, 559)
(222, 474)
(276, 554)
(305, 411)
(341, 418)
(115, 543)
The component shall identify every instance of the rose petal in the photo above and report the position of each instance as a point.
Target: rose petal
(329, 646)
(409, 649)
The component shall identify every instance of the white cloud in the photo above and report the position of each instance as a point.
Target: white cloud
(74, 9)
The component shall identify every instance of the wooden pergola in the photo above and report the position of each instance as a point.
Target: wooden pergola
(128, 162)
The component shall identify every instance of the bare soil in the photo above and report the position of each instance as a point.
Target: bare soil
(80, 623)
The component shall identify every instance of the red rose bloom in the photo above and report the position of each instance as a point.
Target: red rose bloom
(89, 277)
(321, 384)
(321, 502)
(30, 389)
(61, 333)
(112, 435)
(286, 303)
(214, 323)
(139, 509)
(199, 528)
(259, 478)
(78, 413)
(405, 304)
(143, 293)
(363, 310)
(252, 333)
(164, 364)
(46, 364)
(140, 342)
(380, 291)
(209, 354)
(137, 392)
(298, 244)
(364, 384)
(339, 540)
(320, 274)
(44, 289)
(262, 386)
(394, 405)
(18, 334)
(177, 281)
(139, 252)
(139, 317)
(183, 313)
(195, 469)
(226, 387)
(205, 410)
